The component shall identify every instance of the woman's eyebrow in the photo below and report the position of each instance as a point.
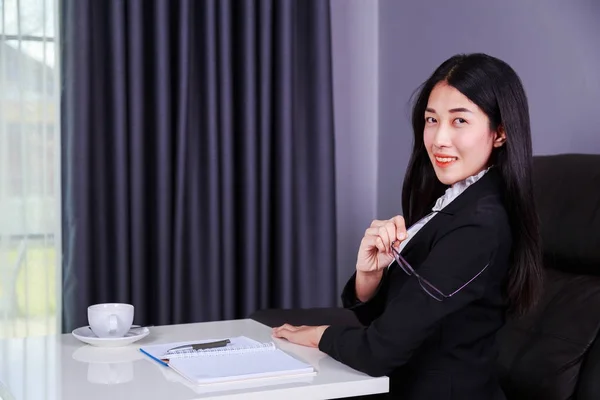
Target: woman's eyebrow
(460, 109)
(452, 110)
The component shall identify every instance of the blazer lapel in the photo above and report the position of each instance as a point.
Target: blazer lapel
(426, 232)
(488, 184)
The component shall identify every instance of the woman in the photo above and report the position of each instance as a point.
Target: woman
(432, 298)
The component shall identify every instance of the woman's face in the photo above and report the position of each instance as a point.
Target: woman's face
(457, 135)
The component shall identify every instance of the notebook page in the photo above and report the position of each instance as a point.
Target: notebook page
(156, 351)
(234, 367)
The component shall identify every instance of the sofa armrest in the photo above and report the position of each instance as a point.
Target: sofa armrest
(589, 384)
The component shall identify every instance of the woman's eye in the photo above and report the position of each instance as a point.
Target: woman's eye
(460, 121)
(430, 120)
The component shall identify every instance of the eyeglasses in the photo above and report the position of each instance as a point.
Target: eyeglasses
(428, 287)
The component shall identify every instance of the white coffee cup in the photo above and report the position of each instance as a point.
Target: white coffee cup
(110, 320)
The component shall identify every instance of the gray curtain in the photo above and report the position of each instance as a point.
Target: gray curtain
(198, 157)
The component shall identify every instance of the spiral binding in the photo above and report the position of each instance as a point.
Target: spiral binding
(222, 351)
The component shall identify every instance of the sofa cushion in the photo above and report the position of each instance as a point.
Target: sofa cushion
(541, 355)
(567, 195)
(588, 386)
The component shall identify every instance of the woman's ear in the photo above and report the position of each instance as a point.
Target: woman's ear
(499, 136)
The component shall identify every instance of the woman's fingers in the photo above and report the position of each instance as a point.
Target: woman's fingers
(395, 227)
(377, 223)
(282, 333)
(289, 327)
(374, 231)
(385, 236)
(390, 232)
(376, 245)
(380, 239)
(400, 225)
(372, 239)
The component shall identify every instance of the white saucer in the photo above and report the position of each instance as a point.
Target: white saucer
(86, 335)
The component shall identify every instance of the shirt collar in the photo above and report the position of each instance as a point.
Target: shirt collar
(455, 190)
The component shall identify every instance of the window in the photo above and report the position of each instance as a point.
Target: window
(29, 169)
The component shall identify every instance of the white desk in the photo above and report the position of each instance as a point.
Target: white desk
(62, 368)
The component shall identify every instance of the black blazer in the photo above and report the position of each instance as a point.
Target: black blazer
(431, 349)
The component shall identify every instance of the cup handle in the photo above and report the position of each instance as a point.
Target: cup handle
(112, 325)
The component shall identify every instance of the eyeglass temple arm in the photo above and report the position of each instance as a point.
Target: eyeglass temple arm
(432, 285)
(469, 281)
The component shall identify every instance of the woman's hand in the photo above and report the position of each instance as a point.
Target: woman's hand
(304, 335)
(375, 253)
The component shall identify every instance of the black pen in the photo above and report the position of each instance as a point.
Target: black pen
(200, 346)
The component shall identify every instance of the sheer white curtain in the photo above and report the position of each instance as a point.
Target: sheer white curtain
(29, 169)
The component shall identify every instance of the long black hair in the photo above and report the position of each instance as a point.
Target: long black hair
(496, 89)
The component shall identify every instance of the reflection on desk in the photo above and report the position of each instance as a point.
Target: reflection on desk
(108, 366)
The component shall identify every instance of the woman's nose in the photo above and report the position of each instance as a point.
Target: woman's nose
(442, 137)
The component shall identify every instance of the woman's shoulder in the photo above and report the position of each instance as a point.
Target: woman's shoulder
(482, 206)
(482, 203)
(486, 214)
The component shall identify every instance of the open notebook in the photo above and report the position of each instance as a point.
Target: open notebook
(242, 359)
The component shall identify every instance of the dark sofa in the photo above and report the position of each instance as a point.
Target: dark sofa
(554, 352)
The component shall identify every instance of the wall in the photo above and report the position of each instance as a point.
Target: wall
(355, 29)
(553, 45)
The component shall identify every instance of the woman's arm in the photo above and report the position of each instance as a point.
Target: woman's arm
(366, 284)
(390, 340)
(369, 309)
(366, 290)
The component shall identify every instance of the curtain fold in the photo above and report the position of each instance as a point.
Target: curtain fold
(198, 159)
